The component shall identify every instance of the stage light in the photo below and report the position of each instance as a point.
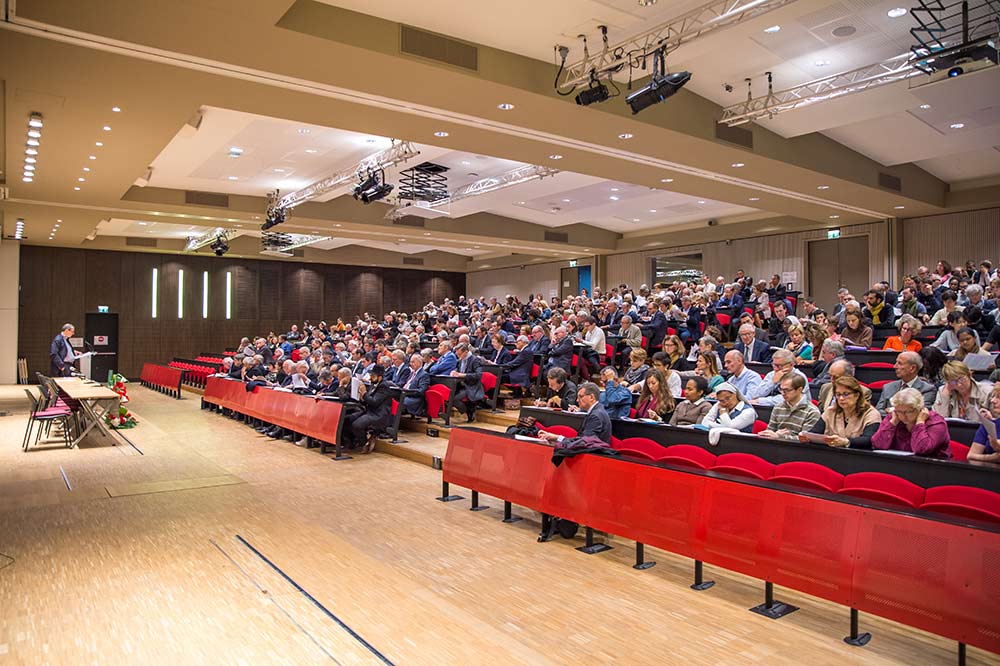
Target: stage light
(955, 71)
(658, 89)
(372, 188)
(220, 245)
(597, 92)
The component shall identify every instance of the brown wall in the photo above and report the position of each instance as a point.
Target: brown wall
(59, 285)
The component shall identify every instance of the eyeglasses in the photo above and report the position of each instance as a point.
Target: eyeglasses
(787, 390)
(956, 382)
(841, 396)
(779, 366)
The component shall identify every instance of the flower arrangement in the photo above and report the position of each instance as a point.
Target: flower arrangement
(122, 418)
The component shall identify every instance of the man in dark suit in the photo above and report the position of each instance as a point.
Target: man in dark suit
(415, 387)
(750, 348)
(518, 369)
(61, 353)
(561, 352)
(539, 342)
(658, 322)
(597, 423)
(378, 410)
(908, 366)
(399, 371)
(469, 371)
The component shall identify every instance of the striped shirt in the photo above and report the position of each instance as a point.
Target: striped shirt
(795, 419)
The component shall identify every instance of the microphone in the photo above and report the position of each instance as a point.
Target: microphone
(90, 347)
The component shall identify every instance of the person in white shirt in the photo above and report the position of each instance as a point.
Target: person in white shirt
(731, 410)
(744, 379)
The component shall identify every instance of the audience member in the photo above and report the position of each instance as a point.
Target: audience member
(655, 401)
(794, 413)
(985, 447)
(616, 398)
(693, 408)
(560, 391)
(730, 410)
(909, 426)
(960, 396)
(850, 421)
(908, 326)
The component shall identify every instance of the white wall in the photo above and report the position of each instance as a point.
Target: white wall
(520, 281)
(10, 253)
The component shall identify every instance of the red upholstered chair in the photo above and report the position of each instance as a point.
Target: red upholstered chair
(645, 445)
(808, 475)
(959, 451)
(563, 430)
(744, 464)
(876, 364)
(963, 502)
(759, 425)
(688, 455)
(723, 319)
(437, 397)
(615, 442)
(489, 382)
(609, 354)
(635, 453)
(879, 384)
(883, 488)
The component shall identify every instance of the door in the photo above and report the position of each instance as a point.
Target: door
(835, 263)
(569, 282)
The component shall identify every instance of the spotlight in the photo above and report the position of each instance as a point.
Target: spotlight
(274, 218)
(364, 185)
(658, 89)
(372, 188)
(220, 245)
(955, 71)
(380, 191)
(597, 92)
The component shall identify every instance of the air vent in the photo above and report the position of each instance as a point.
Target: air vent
(206, 199)
(738, 135)
(140, 242)
(890, 182)
(413, 41)
(413, 261)
(410, 221)
(557, 236)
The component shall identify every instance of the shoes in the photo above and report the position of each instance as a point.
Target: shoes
(263, 428)
(274, 433)
(302, 442)
(290, 437)
(370, 445)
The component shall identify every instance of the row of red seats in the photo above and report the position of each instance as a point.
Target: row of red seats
(162, 378)
(210, 359)
(960, 501)
(194, 374)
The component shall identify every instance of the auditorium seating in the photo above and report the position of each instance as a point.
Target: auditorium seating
(963, 502)
(565, 431)
(744, 464)
(883, 488)
(437, 396)
(686, 455)
(808, 475)
(162, 378)
(959, 451)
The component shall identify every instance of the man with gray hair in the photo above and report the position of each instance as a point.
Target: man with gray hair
(769, 390)
(907, 366)
(839, 368)
(631, 335)
(596, 423)
(832, 350)
(470, 389)
(517, 371)
(561, 352)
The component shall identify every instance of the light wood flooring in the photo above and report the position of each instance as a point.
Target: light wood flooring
(148, 560)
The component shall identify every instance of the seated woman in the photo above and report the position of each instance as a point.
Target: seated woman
(856, 332)
(798, 345)
(707, 367)
(985, 446)
(849, 422)
(908, 326)
(960, 396)
(636, 371)
(693, 408)
(909, 426)
(673, 347)
(655, 401)
(948, 340)
(731, 410)
(499, 354)
(673, 377)
(970, 353)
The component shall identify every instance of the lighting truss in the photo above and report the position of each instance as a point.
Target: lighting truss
(209, 237)
(522, 174)
(668, 35)
(282, 242)
(941, 25)
(898, 68)
(395, 154)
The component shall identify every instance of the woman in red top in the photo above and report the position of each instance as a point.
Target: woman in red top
(908, 326)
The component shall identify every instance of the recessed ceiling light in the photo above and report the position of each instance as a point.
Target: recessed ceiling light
(336, 225)
(107, 128)
(520, 203)
(566, 200)
(441, 134)
(233, 177)
(614, 189)
(401, 239)
(86, 168)
(666, 180)
(81, 179)
(506, 106)
(737, 165)
(30, 160)
(99, 144)
(899, 207)
(466, 162)
(33, 142)
(35, 121)
(77, 189)
(427, 233)
(304, 130)
(30, 151)
(625, 135)
(29, 167)
(92, 157)
(279, 170)
(27, 179)
(635, 219)
(834, 217)
(896, 12)
(34, 134)
(924, 107)
(821, 63)
(235, 151)
(311, 151)
(116, 109)
(555, 157)
(58, 221)
(652, 210)
(754, 198)
(822, 187)
(957, 125)
(614, 198)
(773, 29)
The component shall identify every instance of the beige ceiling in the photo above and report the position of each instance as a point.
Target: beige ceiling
(342, 74)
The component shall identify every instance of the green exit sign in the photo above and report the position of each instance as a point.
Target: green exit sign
(572, 263)
(103, 308)
(833, 233)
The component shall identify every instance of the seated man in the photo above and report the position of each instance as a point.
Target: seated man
(363, 428)
(560, 392)
(597, 423)
(631, 335)
(615, 398)
(517, 371)
(795, 413)
(470, 373)
(446, 361)
(769, 390)
(750, 348)
(745, 380)
(561, 352)
(877, 310)
(415, 387)
(839, 368)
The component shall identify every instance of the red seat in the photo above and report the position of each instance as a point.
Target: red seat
(615, 442)
(489, 382)
(883, 488)
(723, 319)
(880, 384)
(635, 453)
(644, 444)
(688, 455)
(437, 397)
(759, 425)
(744, 464)
(563, 430)
(959, 451)
(876, 364)
(534, 371)
(609, 354)
(808, 475)
(395, 407)
(963, 502)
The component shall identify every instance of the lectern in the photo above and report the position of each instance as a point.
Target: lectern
(101, 338)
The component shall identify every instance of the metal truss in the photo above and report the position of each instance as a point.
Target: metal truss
(395, 154)
(669, 35)
(894, 69)
(282, 242)
(517, 176)
(209, 237)
(941, 25)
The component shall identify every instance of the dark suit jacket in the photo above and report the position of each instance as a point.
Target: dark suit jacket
(561, 355)
(398, 376)
(472, 383)
(57, 354)
(519, 367)
(615, 320)
(659, 324)
(761, 352)
(497, 357)
(927, 390)
(413, 397)
(597, 424)
(378, 403)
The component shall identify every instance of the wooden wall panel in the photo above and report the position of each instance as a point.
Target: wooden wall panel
(60, 285)
(955, 237)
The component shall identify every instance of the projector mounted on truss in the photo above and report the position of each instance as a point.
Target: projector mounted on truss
(425, 182)
(217, 238)
(281, 245)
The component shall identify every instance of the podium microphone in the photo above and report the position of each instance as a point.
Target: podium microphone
(90, 347)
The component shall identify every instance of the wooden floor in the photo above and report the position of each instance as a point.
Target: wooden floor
(159, 555)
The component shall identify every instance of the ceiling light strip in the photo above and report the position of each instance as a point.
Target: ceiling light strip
(57, 33)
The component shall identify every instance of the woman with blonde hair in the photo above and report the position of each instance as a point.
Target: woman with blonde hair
(850, 421)
(636, 372)
(798, 345)
(960, 396)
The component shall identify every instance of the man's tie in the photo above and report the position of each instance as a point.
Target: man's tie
(749, 352)
(409, 382)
